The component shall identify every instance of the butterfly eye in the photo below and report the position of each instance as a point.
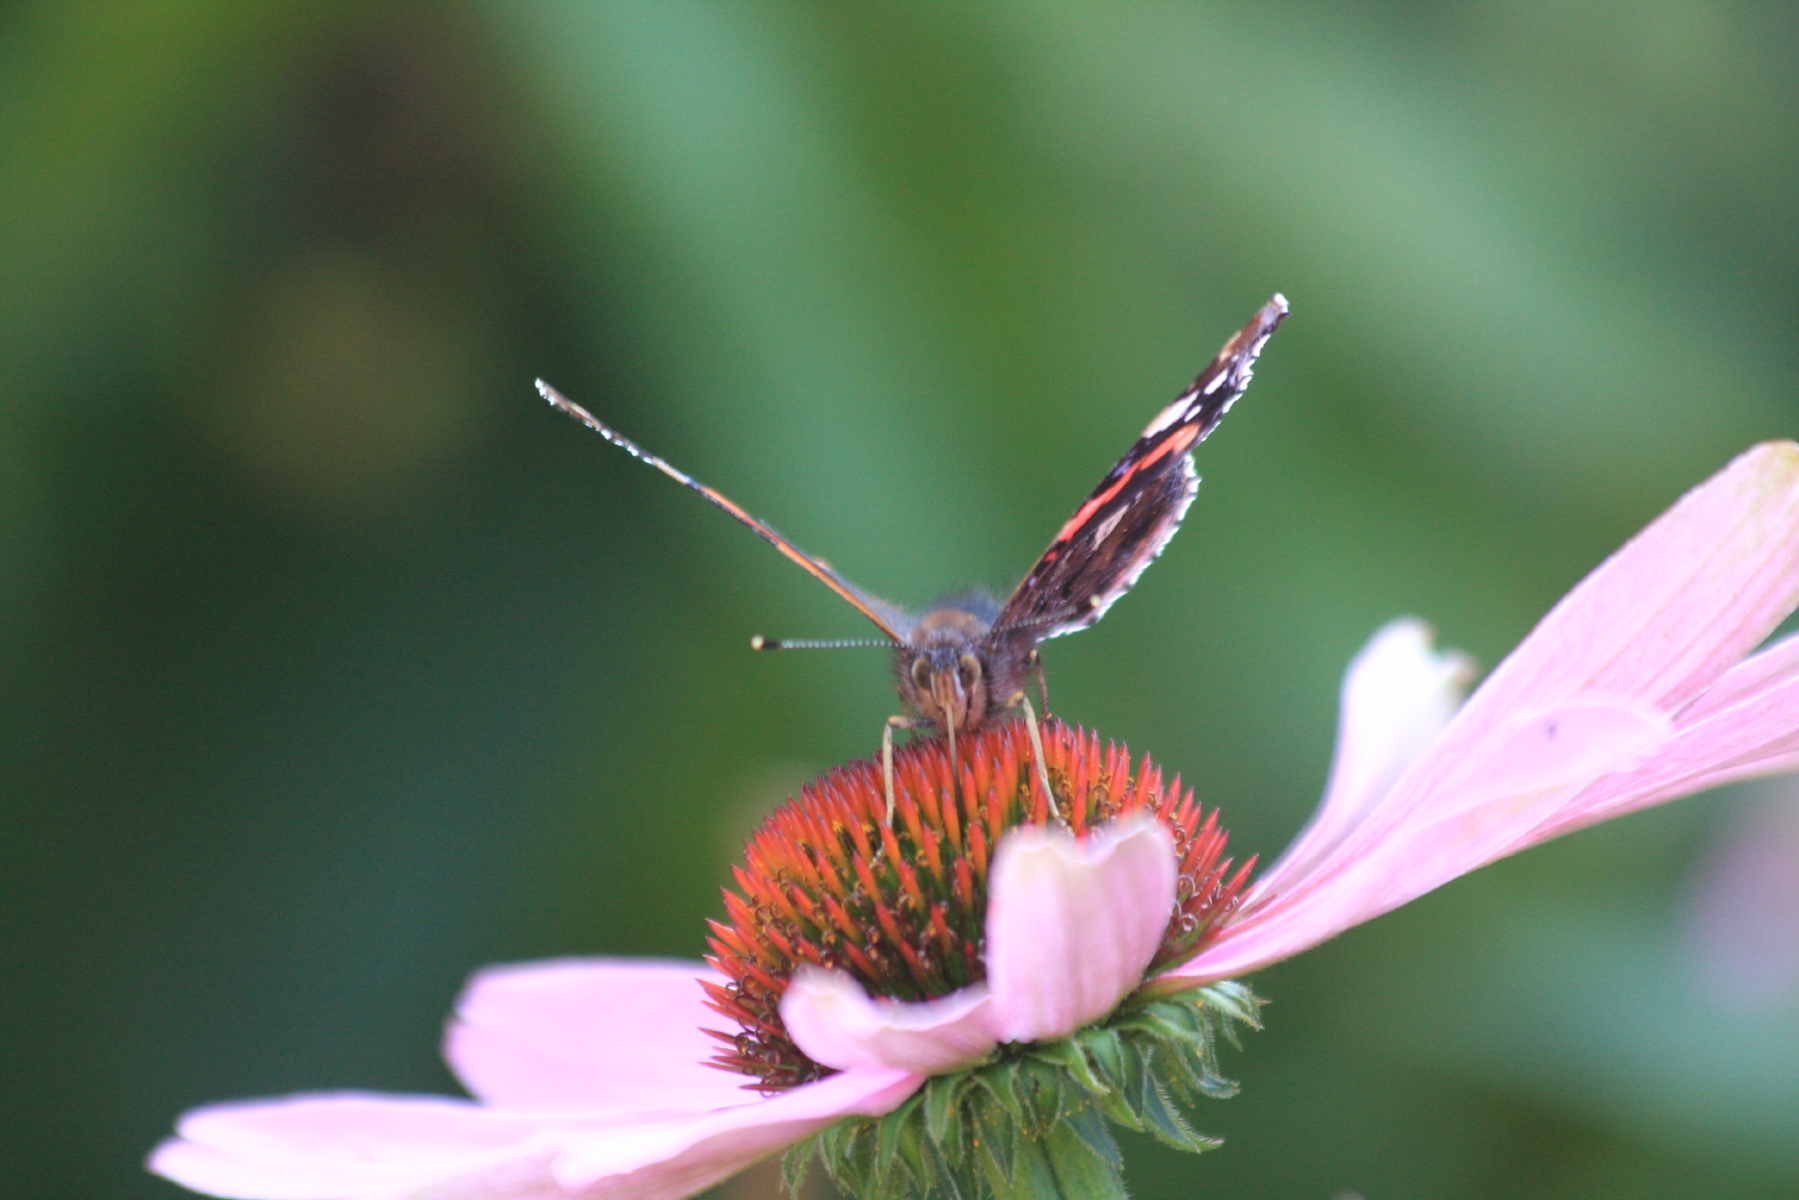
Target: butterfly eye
(969, 667)
(921, 674)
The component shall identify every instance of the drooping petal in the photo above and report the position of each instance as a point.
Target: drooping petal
(351, 1146)
(1526, 770)
(1750, 729)
(1643, 636)
(1397, 697)
(836, 1023)
(589, 1035)
(667, 1160)
(362, 1147)
(1661, 619)
(1073, 923)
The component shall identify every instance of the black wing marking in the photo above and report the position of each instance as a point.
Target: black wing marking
(1121, 528)
(888, 618)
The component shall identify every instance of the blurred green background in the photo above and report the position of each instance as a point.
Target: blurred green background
(336, 665)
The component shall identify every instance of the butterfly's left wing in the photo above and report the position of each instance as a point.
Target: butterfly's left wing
(1119, 529)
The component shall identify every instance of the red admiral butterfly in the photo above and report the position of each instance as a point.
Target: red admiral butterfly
(962, 662)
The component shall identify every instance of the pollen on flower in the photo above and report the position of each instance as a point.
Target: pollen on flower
(902, 908)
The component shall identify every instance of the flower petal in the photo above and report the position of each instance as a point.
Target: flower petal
(1072, 924)
(832, 1019)
(1523, 773)
(590, 1035)
(664, 1161)
(1645, 634)
(1660, 620)
(1397, 697)
(351, 1146)
(1750, 728)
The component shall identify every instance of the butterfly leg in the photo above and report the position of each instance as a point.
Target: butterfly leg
(894, 723)
(1034, 663)
(1021, 701)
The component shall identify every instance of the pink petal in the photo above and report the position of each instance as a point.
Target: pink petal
(590, 1035)
(361, 1147)
(1660, 620)
(678, 1158)
(1530, 767)
(1396, 698)
(1525, 770)
(1072, 924)
(832, 1019)
(1747, 725)
(1645, 634)
(350, 1146)
(1766, 668)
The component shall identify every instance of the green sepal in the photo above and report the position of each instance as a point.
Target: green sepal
(1031, 1179)
(1081, 1171)
(1001, 1082)
(943, 1104)
(1164, 1120)
(891, 1131)
(997, 1141)
(1106, 1048)
(1031, 1122)
(1072, 1057)
(1090, 1126)
(795, 1162)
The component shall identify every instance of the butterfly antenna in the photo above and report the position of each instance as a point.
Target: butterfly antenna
(558, 400)
(888, 619)
(761, 643)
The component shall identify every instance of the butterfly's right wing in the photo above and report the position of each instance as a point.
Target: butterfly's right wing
(889, 619)
(1121, 528)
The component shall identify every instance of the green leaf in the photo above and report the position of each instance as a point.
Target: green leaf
(1106, 1049)
(915, 1150)
(1166, 1123)
(1001, 1082)
(943, 1096)
(1090, 1127)
(1031, 1179)
(1069, 1055)
(796, 1161)
(1080, 1173)
(1234, 1002)
(996, 1140)
(891, 1127)
(1159, 1024)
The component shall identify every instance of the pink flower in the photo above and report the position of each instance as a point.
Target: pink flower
(590, 1076)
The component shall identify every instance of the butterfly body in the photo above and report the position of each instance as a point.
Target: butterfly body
(951, 668)
(963, 662)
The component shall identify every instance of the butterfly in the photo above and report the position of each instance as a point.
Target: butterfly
(962, 663)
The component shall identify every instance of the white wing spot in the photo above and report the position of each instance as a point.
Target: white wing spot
(1168, 416)
(1104, 529)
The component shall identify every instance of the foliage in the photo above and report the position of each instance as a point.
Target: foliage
(1034, 1121)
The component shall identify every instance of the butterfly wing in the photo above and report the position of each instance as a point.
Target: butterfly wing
(888, 618)
(1119, 529)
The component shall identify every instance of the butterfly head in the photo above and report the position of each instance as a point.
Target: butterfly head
(942, 668)
(956, 668)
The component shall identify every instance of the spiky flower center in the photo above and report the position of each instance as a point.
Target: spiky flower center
(902, 907)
